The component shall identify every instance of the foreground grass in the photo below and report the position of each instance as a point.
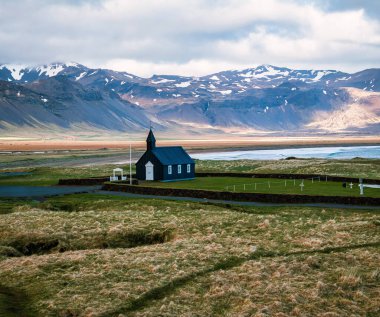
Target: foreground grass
(214, 260)
(268, 186)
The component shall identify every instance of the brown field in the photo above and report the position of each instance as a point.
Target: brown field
(100, 256)
(71, 143)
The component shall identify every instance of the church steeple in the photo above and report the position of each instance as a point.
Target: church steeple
(150, 141)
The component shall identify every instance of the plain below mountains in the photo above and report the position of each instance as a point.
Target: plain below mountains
(266, 99)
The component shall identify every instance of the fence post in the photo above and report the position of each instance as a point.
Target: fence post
(361, 186)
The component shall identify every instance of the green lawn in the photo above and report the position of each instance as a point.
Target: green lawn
(268, 186)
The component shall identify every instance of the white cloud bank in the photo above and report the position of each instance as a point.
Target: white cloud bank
(196, 37)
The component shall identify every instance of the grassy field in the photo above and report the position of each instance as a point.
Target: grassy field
(49, 175)
(45, 176)
(97, 255)
(37, 158)
(268, 186)
(364, 168)
(91, 255)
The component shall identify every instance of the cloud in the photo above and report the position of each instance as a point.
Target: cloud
(371, 7)
(190, 37)
(196, 67)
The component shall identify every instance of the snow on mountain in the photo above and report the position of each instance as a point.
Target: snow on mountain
(265, 97)
(225, 92)
(162, 81)
(81, 75)
(50, 70)
(183, 84)
(22, 73)
(265, 71)
(65, 104)
(16, 71)
(321, 74)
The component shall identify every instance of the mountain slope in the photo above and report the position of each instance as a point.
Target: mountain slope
(361, 112)
(60, 102)
(262, 99)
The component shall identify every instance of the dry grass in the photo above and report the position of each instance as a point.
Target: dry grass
(338, 284)
(219, 261)
(366, 168)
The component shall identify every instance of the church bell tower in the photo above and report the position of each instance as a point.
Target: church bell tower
(150, 141)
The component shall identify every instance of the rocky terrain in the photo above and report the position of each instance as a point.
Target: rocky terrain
(265, 99)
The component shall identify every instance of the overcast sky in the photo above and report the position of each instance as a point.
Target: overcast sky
(192, 37)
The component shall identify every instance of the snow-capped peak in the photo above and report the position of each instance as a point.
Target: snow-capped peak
(264, 72)
(321, 73)
(72, 64)
(16, 70)
(19, 71)
(51, 69)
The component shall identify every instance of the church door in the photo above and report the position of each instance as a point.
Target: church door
(149, 171)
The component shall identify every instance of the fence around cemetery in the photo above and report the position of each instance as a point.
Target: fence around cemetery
(239, 196)
(289, 176)
(254, 186)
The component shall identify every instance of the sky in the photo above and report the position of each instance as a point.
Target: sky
(192, 37)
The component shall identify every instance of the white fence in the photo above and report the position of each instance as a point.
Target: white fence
(257, 186)
(268, 184)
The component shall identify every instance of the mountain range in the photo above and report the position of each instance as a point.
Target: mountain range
(264, 99)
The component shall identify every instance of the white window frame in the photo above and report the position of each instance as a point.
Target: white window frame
(188, 168)
(179, 169)
(170, 170)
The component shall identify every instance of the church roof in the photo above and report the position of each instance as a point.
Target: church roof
(150, 136)
(172, 155)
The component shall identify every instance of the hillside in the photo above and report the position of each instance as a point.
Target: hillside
(265, 99)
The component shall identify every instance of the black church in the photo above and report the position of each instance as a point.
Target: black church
(168, 163)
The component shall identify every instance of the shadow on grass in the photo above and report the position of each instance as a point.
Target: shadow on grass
(7, 205)
(46, 245)
(163, 291)
(13, 303)
(66, 206)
